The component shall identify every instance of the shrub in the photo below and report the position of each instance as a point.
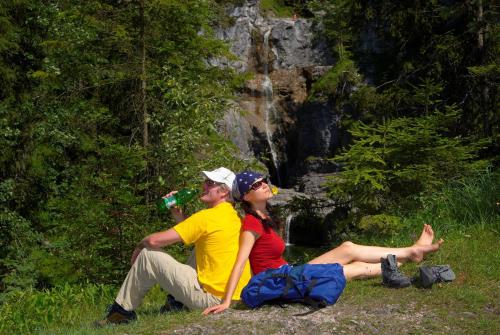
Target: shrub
(388, 163)
(381, 224)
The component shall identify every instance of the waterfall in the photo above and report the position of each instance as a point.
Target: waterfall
(267, 88)
(288, 221)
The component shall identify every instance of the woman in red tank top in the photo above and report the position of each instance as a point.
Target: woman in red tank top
(263, 247)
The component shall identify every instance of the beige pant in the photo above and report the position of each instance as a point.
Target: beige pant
(157, 267)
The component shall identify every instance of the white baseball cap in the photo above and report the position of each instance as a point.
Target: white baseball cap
(221, 175)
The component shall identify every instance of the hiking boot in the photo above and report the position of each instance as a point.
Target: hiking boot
(116, 314)
(391, 277)
(172, 305)
(435, 274)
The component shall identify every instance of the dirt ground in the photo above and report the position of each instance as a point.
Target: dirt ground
(341, 318)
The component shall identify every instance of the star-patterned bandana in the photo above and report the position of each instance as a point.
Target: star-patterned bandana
(244, 181)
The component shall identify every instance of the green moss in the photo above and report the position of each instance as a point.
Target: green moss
(344, 71)
(276, 8)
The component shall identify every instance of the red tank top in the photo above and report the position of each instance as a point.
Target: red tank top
(267, 252)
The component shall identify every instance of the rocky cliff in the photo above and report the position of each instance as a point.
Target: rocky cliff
(272, 118)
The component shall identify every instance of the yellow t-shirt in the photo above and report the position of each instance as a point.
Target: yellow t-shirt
(215, 233)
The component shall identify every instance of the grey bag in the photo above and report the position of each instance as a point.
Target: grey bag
(435, 274)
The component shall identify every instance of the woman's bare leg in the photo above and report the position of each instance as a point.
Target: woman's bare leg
(349, 252)
(361, 270)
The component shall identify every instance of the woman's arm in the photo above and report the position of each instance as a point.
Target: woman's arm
(247, 240)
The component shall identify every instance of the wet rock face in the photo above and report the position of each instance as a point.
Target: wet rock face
(246, 19)
(235, 127)
(292, 59)
(293, 42)
(304, 133)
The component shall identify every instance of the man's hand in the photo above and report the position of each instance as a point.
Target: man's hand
(169, 194)
(156, 241)
(176, 212)
(217, 309)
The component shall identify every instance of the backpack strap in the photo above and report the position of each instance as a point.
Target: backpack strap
(306, 299)
(311, 302)
(278, 301)
(289, 284)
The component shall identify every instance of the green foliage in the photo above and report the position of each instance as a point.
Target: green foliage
(380, 224)
(468, 202)
(18, 241)
(420, 112)
(395, 45)
(81, 82)
(276, 7)
(337, 30)
(389, 163)
(334, 82)
(29, 311)
(80, 175)
(73, 309)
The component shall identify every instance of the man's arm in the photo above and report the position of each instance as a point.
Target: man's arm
(156, 241)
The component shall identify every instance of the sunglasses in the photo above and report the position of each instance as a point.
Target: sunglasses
(211, 183)
(258, 184)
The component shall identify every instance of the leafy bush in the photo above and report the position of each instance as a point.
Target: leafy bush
(387, 164)
(334, 82)
(86, 149)
(380, 224)
(18, 241)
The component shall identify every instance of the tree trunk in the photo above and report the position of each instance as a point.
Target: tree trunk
(484, 81)
(142, 99)
(142, 91)
(480, 33)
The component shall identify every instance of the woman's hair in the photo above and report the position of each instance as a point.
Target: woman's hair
(272, 222)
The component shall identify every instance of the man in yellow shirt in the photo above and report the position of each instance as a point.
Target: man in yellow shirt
(215, 234)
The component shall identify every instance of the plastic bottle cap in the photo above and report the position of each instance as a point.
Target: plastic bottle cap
(274, 190)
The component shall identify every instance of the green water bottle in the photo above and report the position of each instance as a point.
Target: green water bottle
(178, 199)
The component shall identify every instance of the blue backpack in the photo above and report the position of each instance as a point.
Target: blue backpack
(317, 285)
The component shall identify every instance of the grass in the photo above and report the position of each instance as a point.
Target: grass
(73, 309)
(470, 304)
(465, 215)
